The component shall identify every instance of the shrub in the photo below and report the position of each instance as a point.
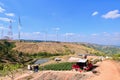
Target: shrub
(43, 55)
(116, 56)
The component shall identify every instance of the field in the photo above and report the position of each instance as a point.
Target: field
(58, 66)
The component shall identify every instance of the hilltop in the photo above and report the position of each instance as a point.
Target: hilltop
(54, 47)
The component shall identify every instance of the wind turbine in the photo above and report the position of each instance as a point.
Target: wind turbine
(19, 28)
(56, 30)
(2, 31)
(10, 34)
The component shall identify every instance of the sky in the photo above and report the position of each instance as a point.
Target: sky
(92, 21)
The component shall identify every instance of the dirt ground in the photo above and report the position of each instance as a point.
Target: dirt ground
(106, 70)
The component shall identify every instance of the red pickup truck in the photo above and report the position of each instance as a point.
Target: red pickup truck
(82, 64)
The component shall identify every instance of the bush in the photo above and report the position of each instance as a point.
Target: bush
(9, 69)
(116, 56)
(43, 55)
(98, 53)
(1, 66)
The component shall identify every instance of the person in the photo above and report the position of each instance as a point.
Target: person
(88, 66)
(29, 67)
(36, 68)
(85, 56)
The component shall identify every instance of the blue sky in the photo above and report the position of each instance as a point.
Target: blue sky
(94, 21)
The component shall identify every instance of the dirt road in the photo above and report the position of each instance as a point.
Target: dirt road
(107, 70)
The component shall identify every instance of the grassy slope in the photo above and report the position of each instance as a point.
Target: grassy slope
(53, 47)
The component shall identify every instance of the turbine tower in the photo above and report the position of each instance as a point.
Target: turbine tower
(10, 34)
(19, 27)
(45, 36)
(56, 30)
(2, 34)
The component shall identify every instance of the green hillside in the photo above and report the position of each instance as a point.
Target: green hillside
(10, 59)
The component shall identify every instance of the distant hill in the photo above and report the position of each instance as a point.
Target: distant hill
(108, 49)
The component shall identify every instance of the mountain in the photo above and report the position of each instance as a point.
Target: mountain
(108, 49)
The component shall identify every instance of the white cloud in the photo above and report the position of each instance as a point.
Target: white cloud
(10, 14)
(69, 34)
(112, 14)
(1, 10)
(3, 28)
(94, 13)
(5, 19)
(94, 34)
(37, 33)
(31, 35)
(116, 34)
(57, 29)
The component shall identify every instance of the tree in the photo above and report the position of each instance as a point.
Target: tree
(10, 70)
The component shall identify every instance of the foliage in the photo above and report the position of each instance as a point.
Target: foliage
(97, 53)
(116, 56)
(9, 70)
(8, 55)
(10, 60)
(1, 66)
(42, 55)
(58, 66)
